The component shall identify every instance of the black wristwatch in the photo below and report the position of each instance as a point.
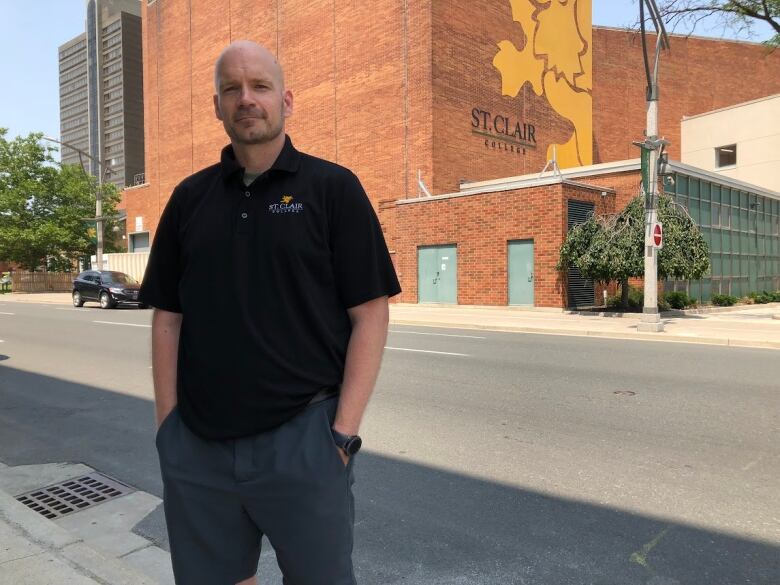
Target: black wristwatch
(350, 444)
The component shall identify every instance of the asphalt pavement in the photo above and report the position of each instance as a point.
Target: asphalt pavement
(38, 551)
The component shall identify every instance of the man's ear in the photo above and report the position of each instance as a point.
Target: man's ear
(216, 107)
(288, 103)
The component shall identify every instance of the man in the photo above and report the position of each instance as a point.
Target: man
(269, 276)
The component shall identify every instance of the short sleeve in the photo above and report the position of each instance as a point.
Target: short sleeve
(361, 260)
(160, 286)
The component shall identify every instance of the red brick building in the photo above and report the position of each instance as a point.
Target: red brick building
(400, 90)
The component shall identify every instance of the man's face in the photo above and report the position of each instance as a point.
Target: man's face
(251, 101)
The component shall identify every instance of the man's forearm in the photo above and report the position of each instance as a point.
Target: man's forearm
(165, 352)
(364, 356)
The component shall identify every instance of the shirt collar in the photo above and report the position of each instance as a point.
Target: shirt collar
(288, 160)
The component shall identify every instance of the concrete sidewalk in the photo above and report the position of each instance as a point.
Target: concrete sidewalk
(751, 326)
(35, 551)
(747, 326)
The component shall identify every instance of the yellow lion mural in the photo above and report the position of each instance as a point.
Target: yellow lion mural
(557, 62)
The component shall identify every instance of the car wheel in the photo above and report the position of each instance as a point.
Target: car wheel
(106, 302)
(77, 300)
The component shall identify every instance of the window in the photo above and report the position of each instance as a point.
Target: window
(112, 27)
(68, 63)
(73, 99)
(73, 137)
(112, 68)
(113, 108)
(72, 74)
(725, 216)
(78, 47)
(726, 156)
(110, 42)
(73, 123)
(112, 81)
(112, 95)
(73, 86)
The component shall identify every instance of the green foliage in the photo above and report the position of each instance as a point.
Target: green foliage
(724, 300)
(636, 300)
(685, 255)
(606, 249)
(43, 206)
(679, 299)
(612, 248)
(763, 297)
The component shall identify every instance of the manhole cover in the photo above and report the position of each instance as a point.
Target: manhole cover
(73, 495)
(625, 392)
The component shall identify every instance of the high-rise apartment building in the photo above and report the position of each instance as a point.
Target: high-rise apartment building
(101, 92)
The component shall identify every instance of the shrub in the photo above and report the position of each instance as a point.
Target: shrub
(636, 298)
(761, 298)
(679, 299)
(724, 300)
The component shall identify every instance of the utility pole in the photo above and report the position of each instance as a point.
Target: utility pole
(651, 151)
(103, 169)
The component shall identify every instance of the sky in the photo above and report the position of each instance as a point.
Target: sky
(29, 39)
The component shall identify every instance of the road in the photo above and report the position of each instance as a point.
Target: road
(495, 458)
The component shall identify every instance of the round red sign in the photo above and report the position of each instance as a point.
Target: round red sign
(657, 234)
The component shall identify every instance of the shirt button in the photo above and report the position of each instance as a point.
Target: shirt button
(244, 215)
(248, 194)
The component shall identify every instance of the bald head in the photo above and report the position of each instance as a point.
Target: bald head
(250, 99)
(241, 54)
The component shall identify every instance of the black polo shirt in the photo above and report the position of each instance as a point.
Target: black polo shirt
(263, 276)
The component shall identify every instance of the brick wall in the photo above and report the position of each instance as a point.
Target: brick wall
(387, 89)
(697, 75)
(481, 226)
(465, 39)
(362, 92)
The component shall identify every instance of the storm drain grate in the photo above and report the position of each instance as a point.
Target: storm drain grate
(73, 495)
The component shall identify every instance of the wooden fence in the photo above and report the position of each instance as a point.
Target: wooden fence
(35, 282)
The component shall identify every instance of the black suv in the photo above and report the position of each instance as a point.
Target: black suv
(107, 287)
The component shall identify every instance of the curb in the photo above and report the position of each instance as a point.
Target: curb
(672, 312)
(33, 301)
(671, 338)
(57, 542)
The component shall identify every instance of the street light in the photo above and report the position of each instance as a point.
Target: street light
(105, 168)
(652, 149)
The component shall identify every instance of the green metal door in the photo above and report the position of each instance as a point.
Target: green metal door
(521, 272)
(437, 274)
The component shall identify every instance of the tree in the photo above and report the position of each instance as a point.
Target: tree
(611, 248)
(739, 15)
(44, 206)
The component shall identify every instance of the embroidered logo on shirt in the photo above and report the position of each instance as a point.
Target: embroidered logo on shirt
(286, 205)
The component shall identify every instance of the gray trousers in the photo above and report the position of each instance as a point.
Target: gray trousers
(290, 484)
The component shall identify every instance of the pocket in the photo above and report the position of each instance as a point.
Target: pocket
(163, 425)
(327, 423)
